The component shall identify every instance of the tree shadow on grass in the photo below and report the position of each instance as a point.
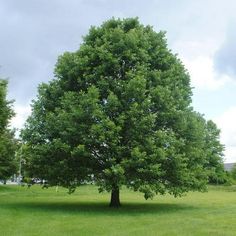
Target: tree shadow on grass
(101, 208)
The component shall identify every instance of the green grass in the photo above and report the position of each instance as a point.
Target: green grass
(46, 212)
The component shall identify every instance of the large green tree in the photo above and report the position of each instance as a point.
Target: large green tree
(7, 141)
(118, 113)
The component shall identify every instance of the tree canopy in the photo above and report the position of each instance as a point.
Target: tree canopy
(7, 142)
(118, 112)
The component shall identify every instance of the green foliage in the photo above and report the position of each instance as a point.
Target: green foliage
(214, 151)
(5, 107)
(7, 155)
(233, 172)
(7, 141)
(118, 113)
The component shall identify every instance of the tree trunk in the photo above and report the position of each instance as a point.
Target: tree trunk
(115, 197)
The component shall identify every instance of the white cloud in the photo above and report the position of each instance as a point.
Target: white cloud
(190, 49)
(22, 112)
(203, 75)
(198, 58)
(226, 122)
(230, 154)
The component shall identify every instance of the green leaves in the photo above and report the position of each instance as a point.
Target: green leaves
(7, 142)
(6, 111)
(214, 152)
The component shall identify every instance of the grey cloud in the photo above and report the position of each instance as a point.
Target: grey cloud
(225, 57)
(35, 32)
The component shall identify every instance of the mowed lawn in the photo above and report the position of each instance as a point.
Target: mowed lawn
(35, 211)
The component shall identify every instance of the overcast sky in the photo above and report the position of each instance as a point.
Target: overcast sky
(203, 33)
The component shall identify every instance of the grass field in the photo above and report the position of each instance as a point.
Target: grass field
(46, 212)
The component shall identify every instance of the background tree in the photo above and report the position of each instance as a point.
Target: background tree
(6, 111)
(214, 151)
(8, 146)
(7, 142)
(118, 113)
(233, 173)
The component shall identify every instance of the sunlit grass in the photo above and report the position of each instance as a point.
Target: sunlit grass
(35, 211)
